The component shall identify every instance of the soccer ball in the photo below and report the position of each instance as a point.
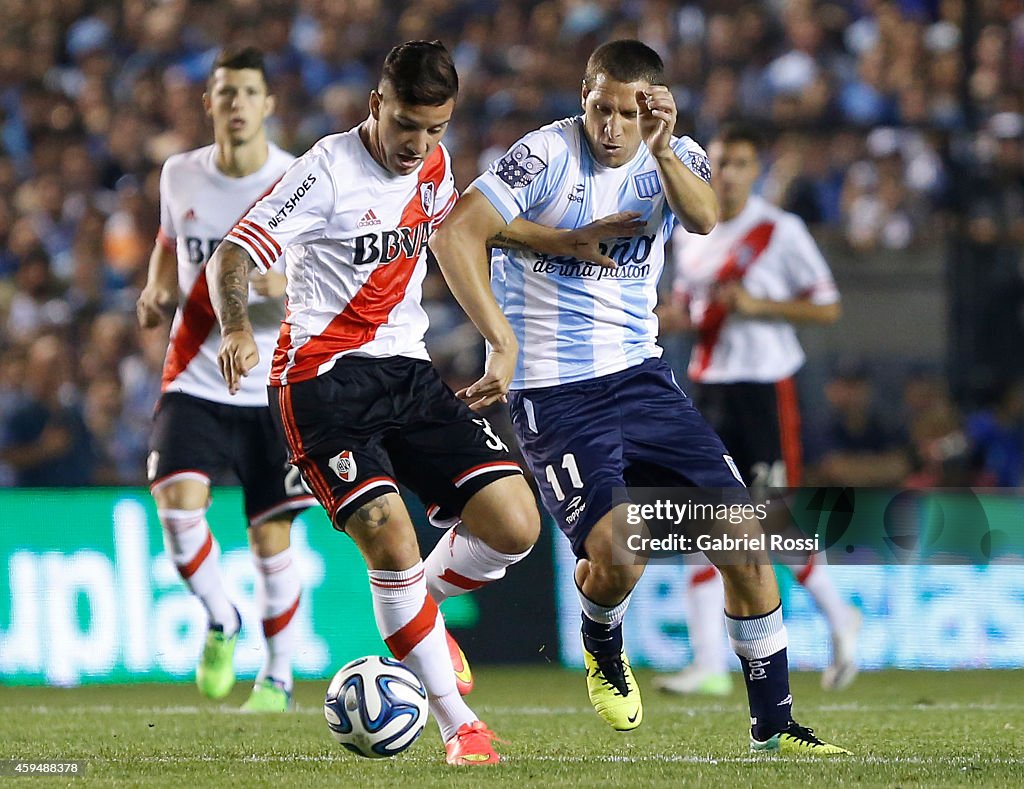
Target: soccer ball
(376, 707)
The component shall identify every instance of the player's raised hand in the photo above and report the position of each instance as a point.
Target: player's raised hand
(237, 356)
(493, 385)
(584, 243)
(155, 304)
(656, 117)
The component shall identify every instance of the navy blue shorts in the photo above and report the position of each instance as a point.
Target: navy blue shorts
(631, 428)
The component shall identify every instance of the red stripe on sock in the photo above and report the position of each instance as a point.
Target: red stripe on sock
(405, 639)
(274, 625)
(187, 570)
(461, 581)
(806, 570)
(703, 576)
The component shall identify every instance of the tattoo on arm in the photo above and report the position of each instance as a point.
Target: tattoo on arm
(374, 513)
(501, 241)
(231, 297)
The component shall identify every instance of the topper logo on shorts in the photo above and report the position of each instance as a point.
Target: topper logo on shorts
(344, 465)
(291, 202)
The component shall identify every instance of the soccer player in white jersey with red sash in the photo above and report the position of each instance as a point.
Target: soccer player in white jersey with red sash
(199, 431)
(742, 288)
(351, 386)
(594, 407)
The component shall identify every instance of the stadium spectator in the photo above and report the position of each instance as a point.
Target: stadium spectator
(858, 447)
(45, 439)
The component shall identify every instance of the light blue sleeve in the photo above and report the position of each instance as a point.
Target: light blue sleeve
(696, 159)
(693, 156)
(527, 175)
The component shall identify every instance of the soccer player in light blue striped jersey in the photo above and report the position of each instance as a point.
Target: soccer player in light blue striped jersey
(573, 341)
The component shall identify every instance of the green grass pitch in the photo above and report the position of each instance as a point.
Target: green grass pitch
(905, 728)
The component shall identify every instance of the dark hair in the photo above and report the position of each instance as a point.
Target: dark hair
(238, 59)
(421, 73)
(733, 132)
(625, 60)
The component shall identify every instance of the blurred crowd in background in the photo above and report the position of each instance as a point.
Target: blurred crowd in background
(894, 124)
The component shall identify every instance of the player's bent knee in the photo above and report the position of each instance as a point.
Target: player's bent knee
(271, 536)
(186, 494)
(382, 529)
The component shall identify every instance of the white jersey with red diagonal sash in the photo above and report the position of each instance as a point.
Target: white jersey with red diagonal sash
(198, 206)
(354, 239)
(771, 252)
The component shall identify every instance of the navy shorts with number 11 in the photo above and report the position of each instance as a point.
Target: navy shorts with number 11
(632, 428)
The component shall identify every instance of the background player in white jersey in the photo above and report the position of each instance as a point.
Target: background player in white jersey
(351, 385)
(593, 405)
(745, 285)
(199, 431)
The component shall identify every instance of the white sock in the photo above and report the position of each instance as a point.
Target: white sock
(705, 605)
(190, 545)
(462, 562)
(411, 625)
(277, 593)
(816, 580)
(611, 615)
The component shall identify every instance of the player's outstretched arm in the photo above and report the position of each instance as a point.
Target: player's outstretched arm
(689, 196)
(582, 243)
(227, 276)
(160, 296)
(460, 246)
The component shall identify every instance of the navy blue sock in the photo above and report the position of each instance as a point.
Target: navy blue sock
(771, 705)
(601, 640)
(765, 675)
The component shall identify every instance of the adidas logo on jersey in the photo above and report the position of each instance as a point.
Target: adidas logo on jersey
(369, 218)
(190, 215)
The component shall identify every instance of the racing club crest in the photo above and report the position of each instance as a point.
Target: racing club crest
(427, 197)
(647, 184)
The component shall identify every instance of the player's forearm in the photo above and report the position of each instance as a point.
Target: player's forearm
(460, 246)
(795, 311)
(227, 276)
(522, 234)
(691, 199)
(163, 268)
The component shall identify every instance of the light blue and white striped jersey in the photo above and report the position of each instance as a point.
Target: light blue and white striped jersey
(575, 320)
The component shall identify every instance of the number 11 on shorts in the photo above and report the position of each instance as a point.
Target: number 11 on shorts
(569, 464)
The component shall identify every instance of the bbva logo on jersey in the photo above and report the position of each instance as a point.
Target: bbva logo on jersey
(344, 465)
(647, 184)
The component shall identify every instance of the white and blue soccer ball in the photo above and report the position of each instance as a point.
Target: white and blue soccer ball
(376, 707)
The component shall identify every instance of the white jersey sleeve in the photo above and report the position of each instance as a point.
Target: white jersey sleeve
(296, 211)
(447, 195)
(805, 266)
(168, 233)
(528, 175)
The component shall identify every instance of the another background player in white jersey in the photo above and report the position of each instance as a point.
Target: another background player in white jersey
(742, 288)
(200, 431)
(593, 406)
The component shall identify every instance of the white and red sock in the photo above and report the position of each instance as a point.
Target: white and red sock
(705, 603)
(278, 591)
(412, 627)
(461, 562)
(816, 580)
(190, 545)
